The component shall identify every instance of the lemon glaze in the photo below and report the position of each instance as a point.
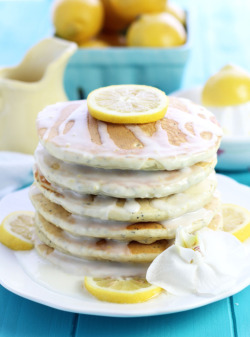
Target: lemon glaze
(120, 183)
(108, 208)
(75, 145)
(64, 274)
(93, 227)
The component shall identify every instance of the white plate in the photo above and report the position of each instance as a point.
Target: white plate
(14, 277)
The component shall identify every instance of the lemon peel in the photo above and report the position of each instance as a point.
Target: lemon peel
(121, 290)
(130, 104)
(236, 220)
(16, 230)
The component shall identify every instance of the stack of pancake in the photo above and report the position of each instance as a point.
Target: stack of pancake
(116, 192)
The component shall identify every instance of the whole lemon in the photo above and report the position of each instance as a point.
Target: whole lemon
(130, 9)
(156, 30)
(229, 86)
(113, 21)
(77, 20)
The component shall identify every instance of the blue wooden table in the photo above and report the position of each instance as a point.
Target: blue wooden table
(221, 34)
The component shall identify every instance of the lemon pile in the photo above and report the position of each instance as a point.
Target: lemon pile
(16, 230)
(104, 23)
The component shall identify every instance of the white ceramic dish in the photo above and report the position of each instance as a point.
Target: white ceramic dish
(234, 152)
(14, 277)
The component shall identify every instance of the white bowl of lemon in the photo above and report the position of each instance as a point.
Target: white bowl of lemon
(227, 95)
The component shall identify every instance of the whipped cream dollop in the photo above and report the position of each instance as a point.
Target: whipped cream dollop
(207, 263)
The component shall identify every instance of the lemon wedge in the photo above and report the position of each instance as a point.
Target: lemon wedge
(16, 230)
(230, 86)
(130, 104)
(121, 290)
(236, 220)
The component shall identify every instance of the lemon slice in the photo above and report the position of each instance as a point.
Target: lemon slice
(127, 104)
(236, 220)
(121, 290)
(16, 230)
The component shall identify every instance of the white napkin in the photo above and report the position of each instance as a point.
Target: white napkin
(15, 171)
(207, 263)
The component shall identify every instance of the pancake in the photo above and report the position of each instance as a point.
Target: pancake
(82, 267)
(97, 249)
(120, 183)
(188, 134)
(130, 210)
(144, 232)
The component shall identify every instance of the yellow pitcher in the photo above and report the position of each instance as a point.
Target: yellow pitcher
(27, 88)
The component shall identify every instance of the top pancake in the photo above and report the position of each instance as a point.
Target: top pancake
(186, 135)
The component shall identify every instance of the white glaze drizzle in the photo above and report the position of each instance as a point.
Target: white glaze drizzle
(78, 137)
(33, 263)
(184, 198)
(102, 206)
(118, 183)
(132, 206)
(80, 225)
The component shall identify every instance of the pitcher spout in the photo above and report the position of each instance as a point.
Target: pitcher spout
(27, 88)
(40, 60)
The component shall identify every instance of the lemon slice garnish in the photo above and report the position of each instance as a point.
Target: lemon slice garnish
(236, 220)
(127, 104)
(16, 230)
(230, 86)
(121, 290)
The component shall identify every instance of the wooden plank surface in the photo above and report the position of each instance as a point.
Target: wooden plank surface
(210, 321)
(22, 318)
(240, 304)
